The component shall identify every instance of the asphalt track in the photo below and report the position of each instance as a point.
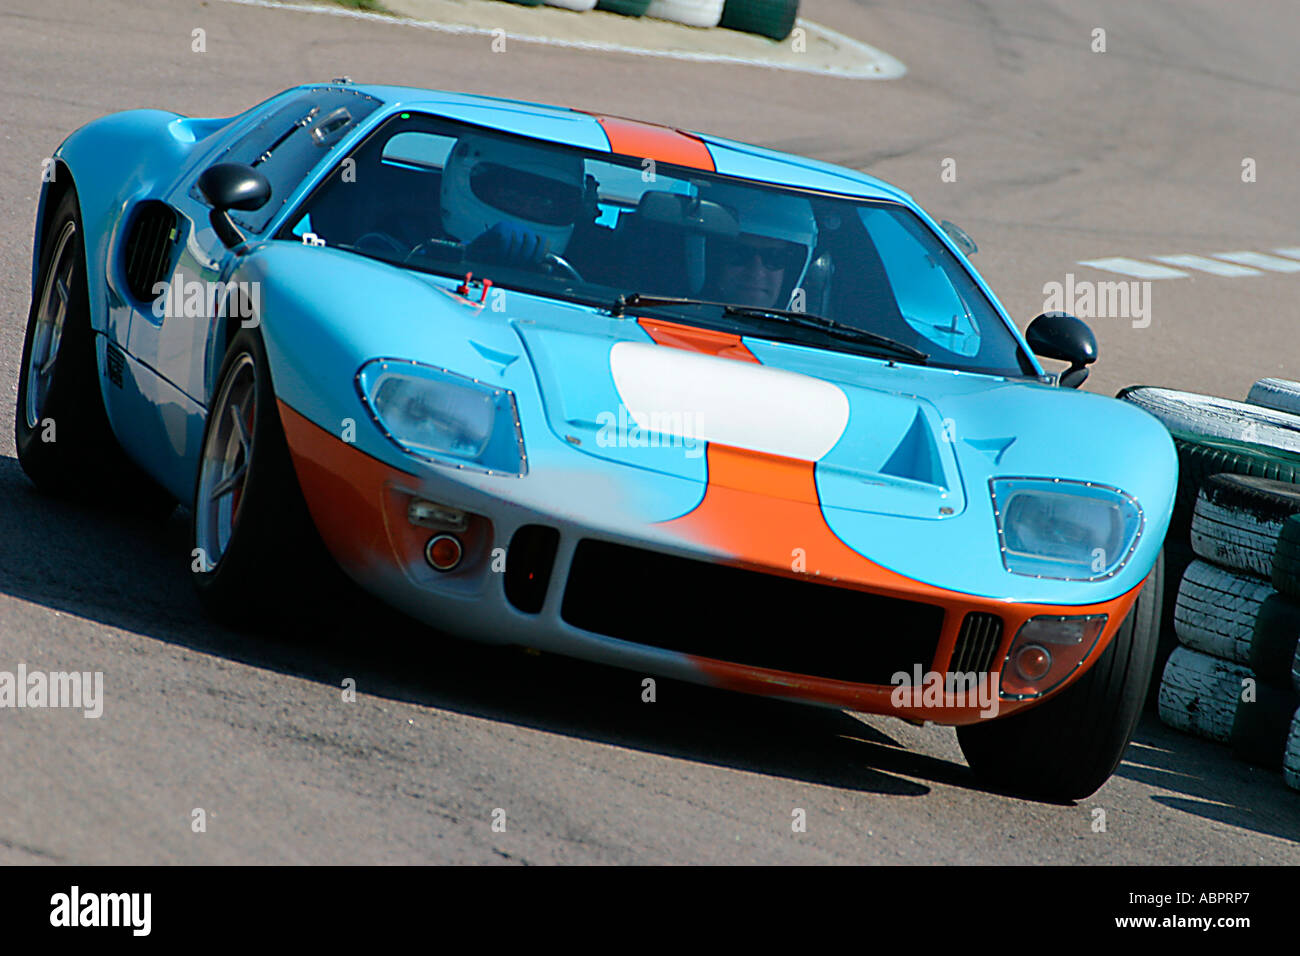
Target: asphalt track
(1061, 155)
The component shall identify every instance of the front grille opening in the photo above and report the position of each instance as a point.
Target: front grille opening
(747, 617)
(977, 644)
(529, 561)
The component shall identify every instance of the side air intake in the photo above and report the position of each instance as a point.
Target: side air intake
(148, 248)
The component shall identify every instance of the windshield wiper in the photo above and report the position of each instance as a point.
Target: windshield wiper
(806, 320)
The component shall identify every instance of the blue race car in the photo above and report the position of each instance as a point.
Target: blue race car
(646, 397)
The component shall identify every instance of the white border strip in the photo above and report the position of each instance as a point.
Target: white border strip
(879, 65)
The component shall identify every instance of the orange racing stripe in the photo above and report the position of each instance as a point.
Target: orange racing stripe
(663, 144)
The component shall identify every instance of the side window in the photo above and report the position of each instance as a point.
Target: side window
(290, 142)
(384, 198)
(925, 295)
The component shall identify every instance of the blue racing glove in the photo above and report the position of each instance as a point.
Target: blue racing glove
(509, 243)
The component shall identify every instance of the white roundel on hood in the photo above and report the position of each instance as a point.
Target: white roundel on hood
(742, 404)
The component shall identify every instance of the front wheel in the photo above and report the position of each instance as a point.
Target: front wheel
(1065, 748)
(255, 553)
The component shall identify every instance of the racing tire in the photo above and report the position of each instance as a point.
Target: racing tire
(773, 19)
(1188, 414)
(1199, 694)
(1277, 394)
(1223, 701)
(65, 443)
(626, 8)
(1200, 461)
(1069, 745)
(1286, 559)
(1291, 758)
(256, 557)
(1275, 641)
(1260, 725)
(1197, 463)
(693, 13)
(1216, 611)
(1237, 520)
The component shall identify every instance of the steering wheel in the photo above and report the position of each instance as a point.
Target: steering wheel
(554, 263)
(380, 242)
(434, 248)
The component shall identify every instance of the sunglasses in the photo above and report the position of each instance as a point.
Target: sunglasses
(737, 254)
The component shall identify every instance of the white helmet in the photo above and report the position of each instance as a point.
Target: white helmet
(771, 215)
(487, 180)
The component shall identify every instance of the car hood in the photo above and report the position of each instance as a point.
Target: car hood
(624, 398)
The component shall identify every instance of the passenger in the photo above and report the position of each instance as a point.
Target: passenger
(765, 263)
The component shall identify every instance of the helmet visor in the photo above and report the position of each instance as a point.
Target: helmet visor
(524, 195)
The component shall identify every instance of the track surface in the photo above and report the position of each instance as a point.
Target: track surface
(1061, 155)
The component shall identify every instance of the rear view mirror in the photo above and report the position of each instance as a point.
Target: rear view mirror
(687, 212)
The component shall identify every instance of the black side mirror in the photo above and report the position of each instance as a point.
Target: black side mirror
(1059, 335)
(232, 186)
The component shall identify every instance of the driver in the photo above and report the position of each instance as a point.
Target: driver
(512, 203)
(766, 261)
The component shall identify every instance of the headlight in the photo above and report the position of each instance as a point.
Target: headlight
(440, 415)
(1073, 530)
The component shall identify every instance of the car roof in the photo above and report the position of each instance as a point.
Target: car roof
(598, 131)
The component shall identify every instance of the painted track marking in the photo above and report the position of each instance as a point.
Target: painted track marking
(1260, 261)
(1133, 267)
(1212, 266)
(1234, 265)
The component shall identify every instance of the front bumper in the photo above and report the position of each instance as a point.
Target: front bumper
(679, 608)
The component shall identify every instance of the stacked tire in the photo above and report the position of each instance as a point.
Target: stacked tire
(773, 19)
(1233, 561)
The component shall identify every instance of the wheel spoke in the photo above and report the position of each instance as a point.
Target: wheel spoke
(241, 430)
(44, 368)
(229, 483)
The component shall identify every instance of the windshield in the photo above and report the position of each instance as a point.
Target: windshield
(450, 198)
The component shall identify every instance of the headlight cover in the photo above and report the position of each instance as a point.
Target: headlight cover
(1067, 530)
(448, 418)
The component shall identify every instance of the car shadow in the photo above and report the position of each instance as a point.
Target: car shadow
(1208, 783)
(128, 573)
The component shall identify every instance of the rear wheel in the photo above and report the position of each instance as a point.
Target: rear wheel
(1068, 746)
(61, 430)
